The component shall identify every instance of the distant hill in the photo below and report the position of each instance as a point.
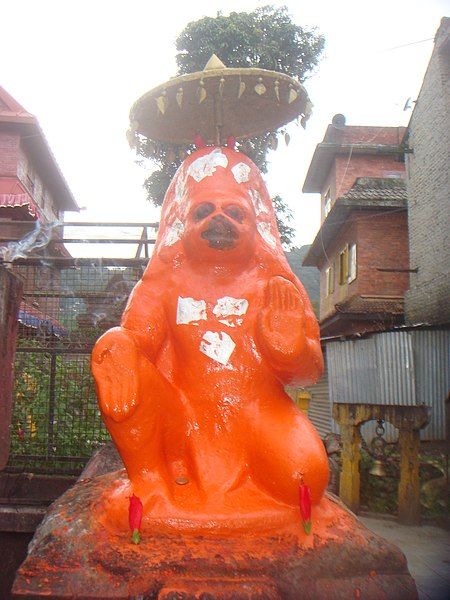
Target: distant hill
(309, 276)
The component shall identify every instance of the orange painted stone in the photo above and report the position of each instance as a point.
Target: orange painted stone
(191, 384)
(74, 554)
(191, 388)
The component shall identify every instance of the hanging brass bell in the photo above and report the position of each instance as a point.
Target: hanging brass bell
(377, 469)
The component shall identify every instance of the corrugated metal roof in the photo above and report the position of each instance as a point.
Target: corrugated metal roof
(402, 367)
(319, 412)
(432, 376)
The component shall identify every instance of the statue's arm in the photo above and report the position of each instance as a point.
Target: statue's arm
(118, 353)
(288, 333)
(144, 318)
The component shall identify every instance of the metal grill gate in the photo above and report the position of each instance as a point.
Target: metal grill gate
(67, 304)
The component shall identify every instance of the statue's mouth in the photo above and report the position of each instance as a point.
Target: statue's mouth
(221, 233)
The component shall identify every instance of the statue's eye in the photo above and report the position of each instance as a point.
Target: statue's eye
(235, 212)
(203, 210)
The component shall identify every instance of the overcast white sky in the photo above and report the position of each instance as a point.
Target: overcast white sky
(80, 65)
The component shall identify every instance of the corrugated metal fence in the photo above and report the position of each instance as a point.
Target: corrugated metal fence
(407, 367)
(319, 412)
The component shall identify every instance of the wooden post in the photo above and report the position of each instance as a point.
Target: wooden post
(10, 296)
(349, 482)
(409, 488)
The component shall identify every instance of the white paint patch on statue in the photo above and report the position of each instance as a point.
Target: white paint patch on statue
(190, 310)
(266, 234)
(241, 172)
(230, 323)
(205, 166)
(179, 189)
(174, 233)
(258, 205)
(228, 306)
(218, 346)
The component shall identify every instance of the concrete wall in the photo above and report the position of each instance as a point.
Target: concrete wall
(428, 185)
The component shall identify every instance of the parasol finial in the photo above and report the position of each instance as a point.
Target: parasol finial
(214, 63)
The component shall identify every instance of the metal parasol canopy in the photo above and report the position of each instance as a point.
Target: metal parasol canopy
(219, 102)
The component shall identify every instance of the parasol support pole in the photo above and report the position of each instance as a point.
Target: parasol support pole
(218, 117)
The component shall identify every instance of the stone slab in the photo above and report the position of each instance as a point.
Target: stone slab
(73, 555)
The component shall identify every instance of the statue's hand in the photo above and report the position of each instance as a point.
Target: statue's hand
(282, 320)
(114, 365)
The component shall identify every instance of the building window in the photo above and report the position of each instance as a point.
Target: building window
(347, 264)
(327, 203)
(351, 262)
(343, 266)
(329, 280)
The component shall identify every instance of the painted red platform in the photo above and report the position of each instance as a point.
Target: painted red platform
(76, 554)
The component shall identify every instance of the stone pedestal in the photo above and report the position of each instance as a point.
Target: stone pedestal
(76, 554)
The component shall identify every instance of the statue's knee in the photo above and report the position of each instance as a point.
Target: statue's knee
(114, 341)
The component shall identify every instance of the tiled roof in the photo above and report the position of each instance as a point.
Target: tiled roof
(372, 305)
(371, 188)
(368, 193)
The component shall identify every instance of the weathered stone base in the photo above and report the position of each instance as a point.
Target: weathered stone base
(73, 556)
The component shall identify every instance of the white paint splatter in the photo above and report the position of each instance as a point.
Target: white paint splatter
(218, 346)
(257, 202)
(179, 189)
(173, 233)
(230, 323)
(255, 351)
(205, 166)
(189, 310)
(266, 234)
(227, 306)
(241, 172)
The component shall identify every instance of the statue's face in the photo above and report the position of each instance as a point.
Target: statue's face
(218, 209)
(220, 226)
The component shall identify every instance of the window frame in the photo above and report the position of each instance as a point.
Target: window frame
(352, 262)
(343, 266)
(329, 280)
(326, 203)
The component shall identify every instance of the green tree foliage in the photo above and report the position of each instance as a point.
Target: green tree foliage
(283, 215)
(265, 38)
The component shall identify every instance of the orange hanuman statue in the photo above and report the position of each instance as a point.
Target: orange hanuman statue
(191, 384)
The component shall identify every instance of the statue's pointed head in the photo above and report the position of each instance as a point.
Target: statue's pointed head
(217, 209)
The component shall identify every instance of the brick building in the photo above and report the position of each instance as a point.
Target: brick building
(33, 197)
(428, 184)
(32, 187)
(361, 248)
(383, 255)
